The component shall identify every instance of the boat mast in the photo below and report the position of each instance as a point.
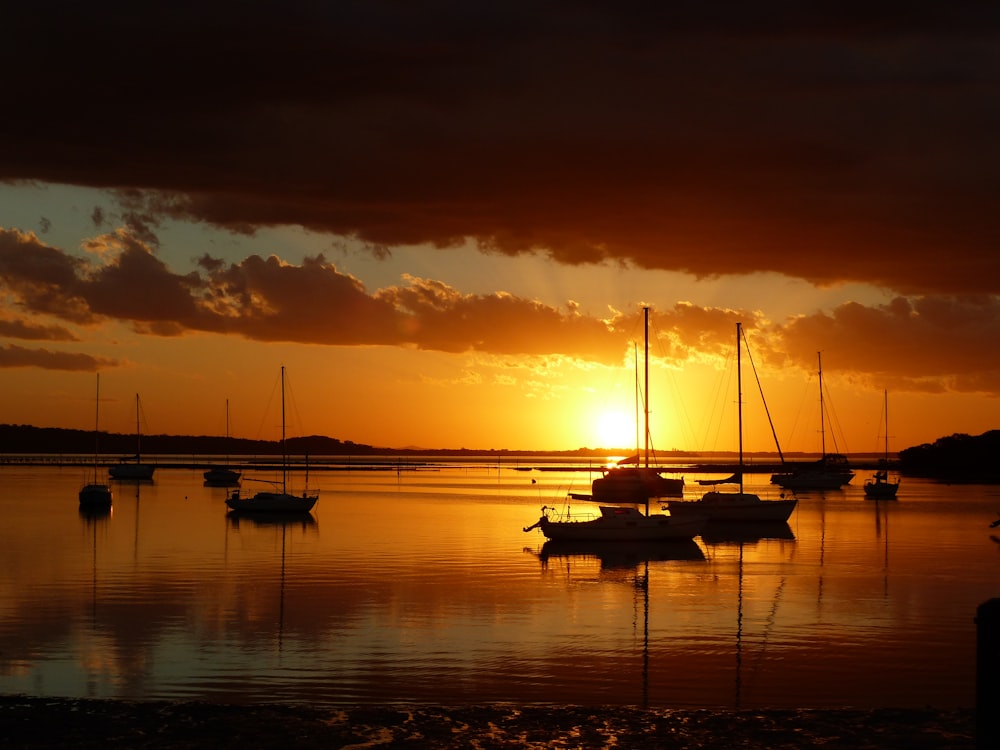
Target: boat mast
(97, 422)
(284, 455)
(822, 425)
(739, 395)
(645, 394)
(885, 398)
(138, 438)
(635, 367)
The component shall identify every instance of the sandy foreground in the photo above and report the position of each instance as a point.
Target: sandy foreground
(27, 722)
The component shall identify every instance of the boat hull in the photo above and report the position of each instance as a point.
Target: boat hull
(620, 525)
(881, 489)
(733, 506)
(95, 495)
(829, 473)
(272, 502)
(221, 475)
(634, 485)
(812, 480)
(131, 471)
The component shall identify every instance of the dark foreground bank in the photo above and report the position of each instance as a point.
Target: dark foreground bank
(66, 723)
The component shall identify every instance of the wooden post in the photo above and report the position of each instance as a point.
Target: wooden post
(988, 674)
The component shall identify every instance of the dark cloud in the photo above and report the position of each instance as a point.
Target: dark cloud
(20, 329)
(826, 141)
(267, 299)
(18, 356)
(909, 345)
(42, 279)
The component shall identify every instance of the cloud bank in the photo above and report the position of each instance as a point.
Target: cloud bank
(829, 142)
(941, 338)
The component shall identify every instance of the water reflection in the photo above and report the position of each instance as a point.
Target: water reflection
(282, 520)
(614, 555)
(94, 519)
(421, 590)
(746, 532)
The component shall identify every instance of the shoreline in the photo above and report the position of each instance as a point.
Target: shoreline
(40, 722)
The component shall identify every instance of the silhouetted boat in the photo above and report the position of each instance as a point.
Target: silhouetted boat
(223, 475)
(740, 505)
(627, 483)
(268, 501)
(879, 486)
(616, 524)
(830, 472)
(133, 468)
(95, 495)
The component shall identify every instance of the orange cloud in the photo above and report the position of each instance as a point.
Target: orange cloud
(910, 344)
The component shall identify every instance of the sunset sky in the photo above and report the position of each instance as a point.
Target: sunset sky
(444, 219)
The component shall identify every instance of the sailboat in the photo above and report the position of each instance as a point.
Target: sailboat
(133, 468)
(223, 475)
(616, 523)
(271, 501)
(879, 486)
(96, 495)
(831, 472)
(734, 506)
(634, 483)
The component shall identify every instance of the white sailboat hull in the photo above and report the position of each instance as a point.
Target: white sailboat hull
(733, 506)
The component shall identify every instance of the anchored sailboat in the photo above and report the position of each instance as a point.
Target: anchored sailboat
(133, 468)
(223, 475)
(614, 523)
(270, 501)
(879, 486)
(635, 483)
(740, 505)
(830, 472)
(95, 494)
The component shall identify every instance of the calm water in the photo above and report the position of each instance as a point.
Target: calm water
(420, 586)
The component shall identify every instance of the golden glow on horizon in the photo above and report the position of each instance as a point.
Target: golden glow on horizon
(615, 429)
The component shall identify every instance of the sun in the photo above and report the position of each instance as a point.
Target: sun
(615, 429)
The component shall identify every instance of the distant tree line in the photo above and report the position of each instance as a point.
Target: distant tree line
(956, 458)
(54, 440)
(29, 440)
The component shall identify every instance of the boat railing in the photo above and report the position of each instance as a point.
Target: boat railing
(568, 514)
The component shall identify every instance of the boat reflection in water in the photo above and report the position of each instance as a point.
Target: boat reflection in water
(616, 555)
(743, 534)
(270, 518)
(746, 532)
(629, 559)
(278, 521)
